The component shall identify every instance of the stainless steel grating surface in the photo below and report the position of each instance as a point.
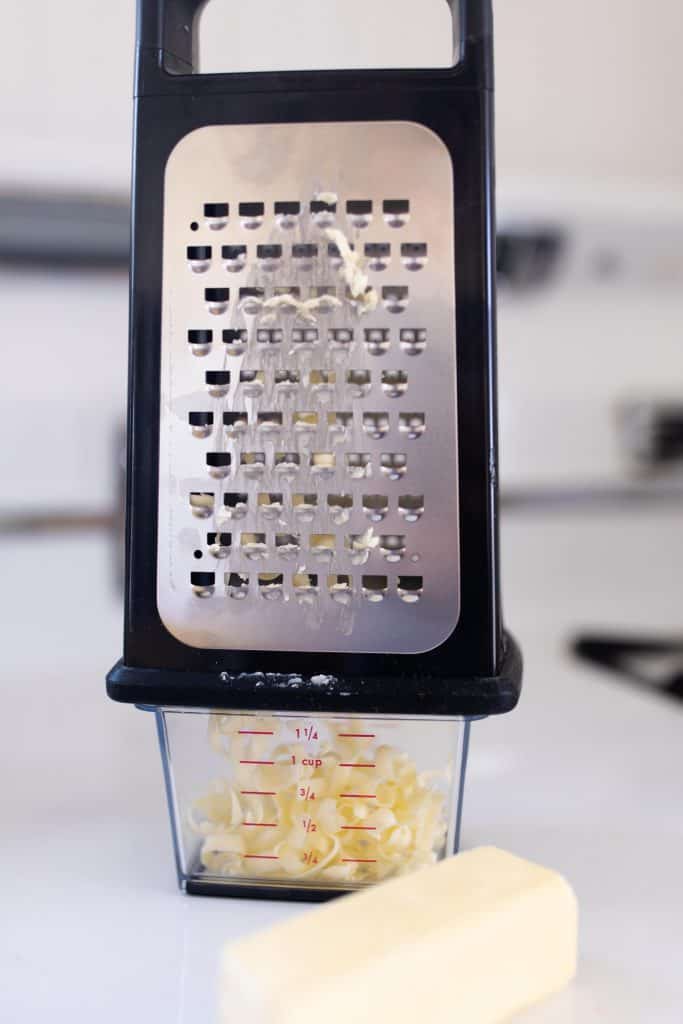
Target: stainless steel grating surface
(308, 492)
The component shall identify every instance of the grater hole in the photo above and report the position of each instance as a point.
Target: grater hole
(305, 422)
(412, 424)
(202, 503)
(269, 257)
(236, 585)
(339, 424)
(393, 465)
(377, 340)
(323, 465)
(304, 254)
(218, 464)
(251, 215)
(200, 342)
(235, 341)
(270, 505)
(235, 504)
(394, 383)
(304, 339)
(395, 298)
(203, 583)
(251, 300)
(287, 214)
(217, 382)
(201, 423)
(252, 382)
(409, 588)
(326, 296)
(199, 258)
(360, 546)
(335, 256)
(236, 423)
(234, 257)
(287, 464)
(411, 507)
(375, 507)
(253, 464)
(323, 213)
(304, 507)
(413, 340)
(271, 586)
(323, 546)
(340, 338)
(305, 587)
(288, 298)
(376, 424)
(358, 465)
(217, 300)
(198, 553)
(392, 547)
(216, 215)
(287, 382)
(339, 507)
(374, 588)
(287, 545)
(359, 212)
(359, 383)
(322, 383)
(396, 212)
(269, 423)
(378, 255)
(340, 588)
(194, 226)
(254, 546)
(414, 255)
(219, 544)
(270, 336)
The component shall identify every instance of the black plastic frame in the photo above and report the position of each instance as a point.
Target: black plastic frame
(457, 104)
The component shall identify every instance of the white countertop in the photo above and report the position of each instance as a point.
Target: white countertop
(585, 776)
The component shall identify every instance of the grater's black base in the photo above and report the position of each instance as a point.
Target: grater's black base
(407, 694)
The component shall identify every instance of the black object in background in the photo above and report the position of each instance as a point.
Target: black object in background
(654, 664)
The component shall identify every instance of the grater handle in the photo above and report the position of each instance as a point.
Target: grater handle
(170, 27)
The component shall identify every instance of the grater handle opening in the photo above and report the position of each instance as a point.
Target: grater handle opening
(171, 27)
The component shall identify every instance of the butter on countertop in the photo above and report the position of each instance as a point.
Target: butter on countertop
(473, 940)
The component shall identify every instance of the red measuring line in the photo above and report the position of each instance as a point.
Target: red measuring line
(357, 796)
(258, 792)
(259, 824)
(358, 860)
(257, 762)
(359, 828)
(255, 732)
(347, 764)
(260, 856)
(356, 735)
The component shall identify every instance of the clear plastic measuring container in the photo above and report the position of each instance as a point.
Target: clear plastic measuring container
(307, 805)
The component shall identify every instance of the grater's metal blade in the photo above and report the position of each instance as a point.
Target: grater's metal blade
(308, 484)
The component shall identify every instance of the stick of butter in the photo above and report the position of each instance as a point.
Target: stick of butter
(473, 940)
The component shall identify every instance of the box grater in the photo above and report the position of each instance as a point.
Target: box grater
(312, 521)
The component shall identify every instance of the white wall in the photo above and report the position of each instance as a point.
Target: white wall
(590, 89)
(586, 89)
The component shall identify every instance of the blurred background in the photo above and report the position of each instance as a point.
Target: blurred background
(590, 263)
